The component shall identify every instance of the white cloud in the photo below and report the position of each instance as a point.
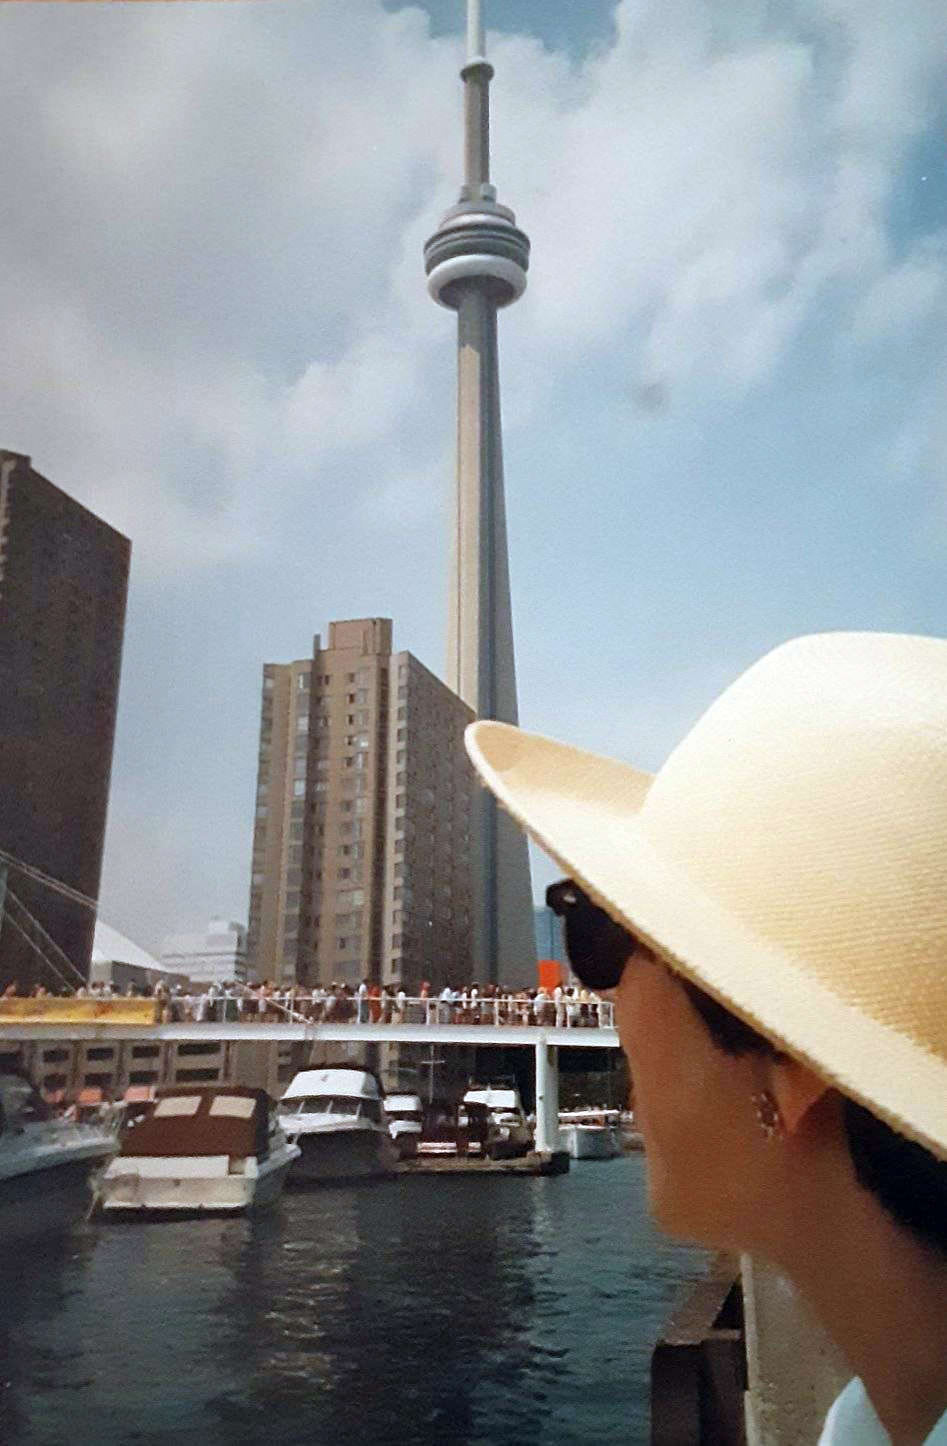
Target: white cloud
(216, 331)
(902, 297)
(229, 261)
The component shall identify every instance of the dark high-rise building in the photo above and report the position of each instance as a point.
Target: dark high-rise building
(63, 585)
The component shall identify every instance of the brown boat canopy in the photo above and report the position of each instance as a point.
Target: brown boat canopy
(202, 1120)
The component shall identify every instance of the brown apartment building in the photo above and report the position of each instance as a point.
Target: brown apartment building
(63, 585)
(361, 841)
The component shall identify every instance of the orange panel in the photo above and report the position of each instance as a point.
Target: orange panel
(549, 974)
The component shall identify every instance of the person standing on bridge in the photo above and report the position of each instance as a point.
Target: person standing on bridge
(771, 907)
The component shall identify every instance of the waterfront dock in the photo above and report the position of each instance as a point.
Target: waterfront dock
(554, 1163)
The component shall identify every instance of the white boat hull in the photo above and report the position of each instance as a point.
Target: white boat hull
(200, 1183)
(591, 1142)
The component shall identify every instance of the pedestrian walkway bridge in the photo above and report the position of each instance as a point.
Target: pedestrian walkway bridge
(545, 1029)
(306, 1032)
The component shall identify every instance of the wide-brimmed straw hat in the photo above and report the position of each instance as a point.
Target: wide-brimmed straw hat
(790, 857)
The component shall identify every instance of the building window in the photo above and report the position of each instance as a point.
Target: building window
(402, 714)
(299, 788)
(321, 787)
(401, 735)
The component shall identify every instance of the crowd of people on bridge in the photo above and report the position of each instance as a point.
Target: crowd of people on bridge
(373, 1003)
(565, 1006)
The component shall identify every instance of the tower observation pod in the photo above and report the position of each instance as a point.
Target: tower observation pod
(476, 263)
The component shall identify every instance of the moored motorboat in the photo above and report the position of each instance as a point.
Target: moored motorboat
(404, 1114)
(509, 1133)
(335, 1115)
(47, 1164)
(200, 1148)
(631, 1136)
(591, 1134)
(454, 1128)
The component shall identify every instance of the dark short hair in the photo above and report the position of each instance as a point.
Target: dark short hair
(909, 1182)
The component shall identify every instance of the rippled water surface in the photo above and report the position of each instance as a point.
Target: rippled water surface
(433, 1310)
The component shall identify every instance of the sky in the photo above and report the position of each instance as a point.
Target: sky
(722, 392)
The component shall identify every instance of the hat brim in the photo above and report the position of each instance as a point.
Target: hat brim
(583, 809)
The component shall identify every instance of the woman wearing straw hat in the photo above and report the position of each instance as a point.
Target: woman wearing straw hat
(771, 911)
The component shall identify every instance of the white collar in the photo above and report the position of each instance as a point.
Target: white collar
(853, 1421)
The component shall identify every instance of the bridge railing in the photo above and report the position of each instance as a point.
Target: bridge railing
(251, 1008)
(590, 1013)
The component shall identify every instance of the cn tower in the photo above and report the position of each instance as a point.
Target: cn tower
(476, 263)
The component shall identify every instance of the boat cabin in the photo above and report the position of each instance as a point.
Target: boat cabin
(20, 1103)
(339, 1090)
(201, 1120)
(404, 1107)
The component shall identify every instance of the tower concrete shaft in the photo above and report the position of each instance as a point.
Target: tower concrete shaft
(476, 262)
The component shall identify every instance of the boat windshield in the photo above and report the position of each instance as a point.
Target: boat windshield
(323, 1105)
(19, 1102)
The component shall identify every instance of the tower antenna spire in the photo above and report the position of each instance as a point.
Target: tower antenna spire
(476, 45)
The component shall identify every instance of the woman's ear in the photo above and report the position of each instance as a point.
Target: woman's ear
(796, 1090)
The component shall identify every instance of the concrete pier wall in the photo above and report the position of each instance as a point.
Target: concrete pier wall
(794, 1370)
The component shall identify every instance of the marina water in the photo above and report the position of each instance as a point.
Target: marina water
(485, 1310)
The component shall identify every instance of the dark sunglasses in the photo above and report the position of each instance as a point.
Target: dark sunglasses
(597, 947)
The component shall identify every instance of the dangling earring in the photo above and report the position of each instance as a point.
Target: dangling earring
(767, 1113)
